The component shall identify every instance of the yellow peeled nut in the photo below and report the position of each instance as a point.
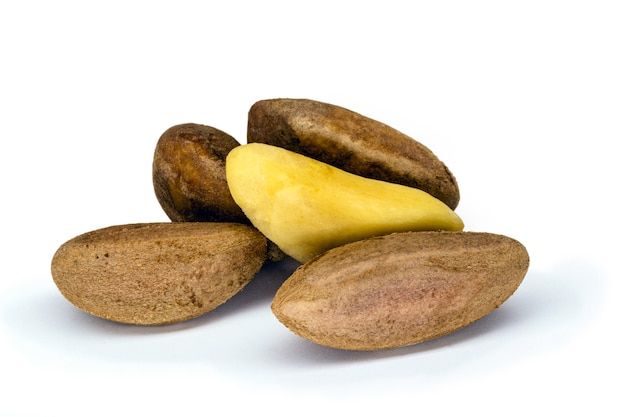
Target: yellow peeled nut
(307, 207)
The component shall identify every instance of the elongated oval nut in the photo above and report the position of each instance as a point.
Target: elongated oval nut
(400, 289)
(307, 207)
(352, 142)
(157, 273)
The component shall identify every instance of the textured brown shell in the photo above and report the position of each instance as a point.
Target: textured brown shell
(189, 177)
(352, 142)
(189, 174)
(400, 289)
(157, 273)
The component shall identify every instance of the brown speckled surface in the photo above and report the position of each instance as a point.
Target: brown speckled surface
(157, 273)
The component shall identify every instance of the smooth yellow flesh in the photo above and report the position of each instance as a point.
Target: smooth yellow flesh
(307, 207)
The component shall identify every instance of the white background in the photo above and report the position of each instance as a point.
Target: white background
(524, 101)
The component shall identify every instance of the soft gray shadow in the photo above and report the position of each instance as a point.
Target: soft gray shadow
(242, 337)
(52, 308)
(545, 311)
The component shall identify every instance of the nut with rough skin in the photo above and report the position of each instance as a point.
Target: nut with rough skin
(157, 273)
(189, 177)
(352, 142)
(400, 289)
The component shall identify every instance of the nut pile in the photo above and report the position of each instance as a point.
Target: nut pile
(366, 210)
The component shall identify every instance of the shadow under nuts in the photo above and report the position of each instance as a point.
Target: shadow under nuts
(400, 289)
(157, 273)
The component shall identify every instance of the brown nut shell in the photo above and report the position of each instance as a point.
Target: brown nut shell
(400, 289)
(189, 174)
(352, 142)
(189, 177)
(157, 273)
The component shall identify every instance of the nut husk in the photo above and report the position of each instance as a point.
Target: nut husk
(352, 142)
(189, 174)
(189, 177)
(400, 289)
(157, 273)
